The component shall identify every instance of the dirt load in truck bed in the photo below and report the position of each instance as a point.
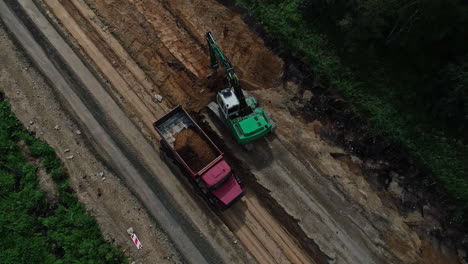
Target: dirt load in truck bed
(194, 149)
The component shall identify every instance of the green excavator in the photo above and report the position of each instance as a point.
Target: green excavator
(243, 114)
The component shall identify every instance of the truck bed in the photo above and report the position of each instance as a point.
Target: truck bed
(194, 147)
(172, 126)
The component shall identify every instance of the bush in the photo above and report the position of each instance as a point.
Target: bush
(37, 231)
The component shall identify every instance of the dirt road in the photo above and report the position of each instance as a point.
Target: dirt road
(142, 48)
(105, 197)
(114, 154)
(338, 210)
(267, 249)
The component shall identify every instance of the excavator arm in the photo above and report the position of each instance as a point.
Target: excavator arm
(217, 57)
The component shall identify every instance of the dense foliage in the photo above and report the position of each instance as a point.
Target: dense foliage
(402, 65)
(34, 230)
(420, 44)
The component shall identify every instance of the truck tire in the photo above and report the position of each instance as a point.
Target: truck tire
(213, 200)
(165, 153)
(239, 181)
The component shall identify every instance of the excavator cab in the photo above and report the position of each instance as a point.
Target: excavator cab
(228, 103)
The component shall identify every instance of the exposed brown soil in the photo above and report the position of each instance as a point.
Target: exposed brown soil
(397, 182)
(386, 165)
(194, 149)
(210, 85)
(263, 195)
(169, 44)
(166, 39)
(134, 100)
(256, 65)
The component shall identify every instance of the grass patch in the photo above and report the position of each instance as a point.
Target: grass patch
(35, 230)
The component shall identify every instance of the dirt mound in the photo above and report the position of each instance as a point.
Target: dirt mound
(252, 60)
(209, 86)
(194, 149)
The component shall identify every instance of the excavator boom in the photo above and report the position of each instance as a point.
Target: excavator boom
(217, 57)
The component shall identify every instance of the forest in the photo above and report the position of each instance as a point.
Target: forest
(36, 230)
(402, 66)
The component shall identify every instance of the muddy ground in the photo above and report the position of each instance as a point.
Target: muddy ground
(105, 197)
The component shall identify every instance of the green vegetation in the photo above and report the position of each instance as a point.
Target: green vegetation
(402, 65)
(34, 230)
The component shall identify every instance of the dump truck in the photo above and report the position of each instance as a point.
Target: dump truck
(199, 157)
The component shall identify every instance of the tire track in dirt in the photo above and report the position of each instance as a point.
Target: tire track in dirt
(141, 40)
(277, 231)
(258, 231)
(351, 238)
(141, 168)
(116, 47)
(48, 68)
(173, 36)
(121, 82)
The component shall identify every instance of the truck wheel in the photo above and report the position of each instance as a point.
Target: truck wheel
(213, 200)
(239, 181)
(164, 154)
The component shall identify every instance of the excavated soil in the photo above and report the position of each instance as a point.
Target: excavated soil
(250, 224)
(167, 39)
(194, 149)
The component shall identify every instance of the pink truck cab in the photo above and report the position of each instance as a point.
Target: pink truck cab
(216, 180)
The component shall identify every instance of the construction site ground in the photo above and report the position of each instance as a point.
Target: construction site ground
(308, 200)
(106, 197)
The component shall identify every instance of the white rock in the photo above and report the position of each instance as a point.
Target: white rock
(66, 150)
(395, 189)
(57, 127)
(101, 174)
(307, 95)
(78, 132)
(31, 122)
(158, 98)
(70, 157)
